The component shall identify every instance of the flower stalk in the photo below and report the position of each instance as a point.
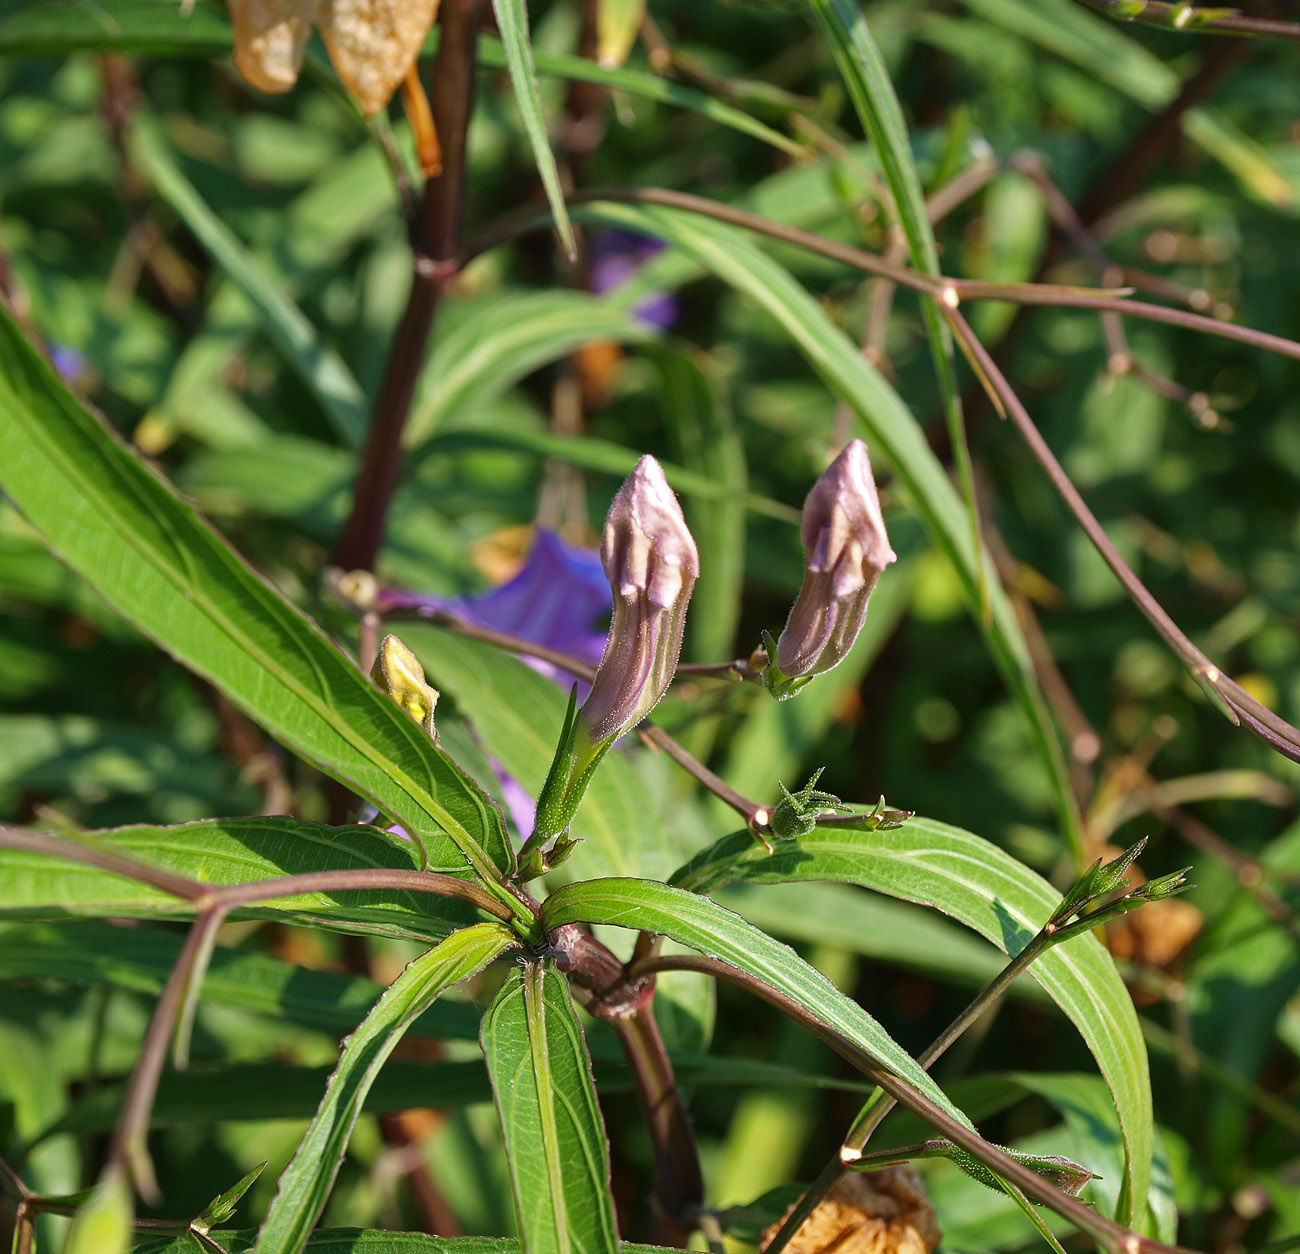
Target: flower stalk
(651, 561)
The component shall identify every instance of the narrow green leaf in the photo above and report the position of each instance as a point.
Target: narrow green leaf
(239, 851)
(986, 889)
(555, 1138)
(512, 22)
(369, 1241)
(269, 1090)
(889, 427)
(43, 27)
(499, 341)
(161, 566)
(305, 1183)
(320, 367)
(873, 96)
(705, 926)
(591, 453)
(139, 959)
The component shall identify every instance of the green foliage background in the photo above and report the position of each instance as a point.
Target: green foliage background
(220, 274)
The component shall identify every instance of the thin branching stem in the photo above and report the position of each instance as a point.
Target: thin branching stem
(233, 896)
(1111, 1236)
(434, 232)
(129, 1147)
(1235, 701)
(1190, 19)
(524, 221)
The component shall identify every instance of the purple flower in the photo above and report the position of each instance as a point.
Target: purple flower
(616, 256)
(555, 600)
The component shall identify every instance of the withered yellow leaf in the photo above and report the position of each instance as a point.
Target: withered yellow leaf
(373, 43)
(270, 39)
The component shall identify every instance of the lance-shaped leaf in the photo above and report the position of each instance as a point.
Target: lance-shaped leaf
(988, 890)
(512, 22)
(150, 555)
(711, 929)
(555, 1139)
(305, 1183)
(224, 852)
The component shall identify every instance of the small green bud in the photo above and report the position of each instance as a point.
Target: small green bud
(1065, 1174)
(220, 1209)
(398, 672)
(796, 814)
(1110, 876)
(1165, 886)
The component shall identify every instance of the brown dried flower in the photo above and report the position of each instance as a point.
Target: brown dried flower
(878, 1212)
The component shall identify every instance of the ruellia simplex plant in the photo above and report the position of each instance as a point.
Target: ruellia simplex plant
(428, 856)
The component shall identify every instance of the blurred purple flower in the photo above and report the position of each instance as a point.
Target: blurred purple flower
(556, 600)
(616, 256)
(68, 362)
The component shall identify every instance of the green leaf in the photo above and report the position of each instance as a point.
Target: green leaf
(270, 1090)
(705, 926)
(161, 28)
(139, 959)
(877, 107)
(890, 428)
(313, 233)
(985, 888)
(500, 340)
(555, 1138)
(238, 851)
(323, 371)
(305, 1184)
(42, 27)
(591, 453)
(161, 566)
(512, 22)
(369, 1241)
(518, 714)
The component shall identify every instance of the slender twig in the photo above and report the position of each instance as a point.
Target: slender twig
(1186, 17)
(945, 290)
(1236, 702)
(434, 239)
(92, 855)
(1082, 298)
(879, 1105)
(236, 895)
(233, 896)
(128, 1145)
(1112, 1236)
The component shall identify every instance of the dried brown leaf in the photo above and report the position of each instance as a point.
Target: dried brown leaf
(878, 1212)
(270, 40)
(373, 43)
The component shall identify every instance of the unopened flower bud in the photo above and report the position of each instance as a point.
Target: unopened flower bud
(846, 548)
(398, 672)
(652, 564)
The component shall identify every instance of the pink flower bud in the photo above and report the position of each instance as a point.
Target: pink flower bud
(847, 548)
(652, 564)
